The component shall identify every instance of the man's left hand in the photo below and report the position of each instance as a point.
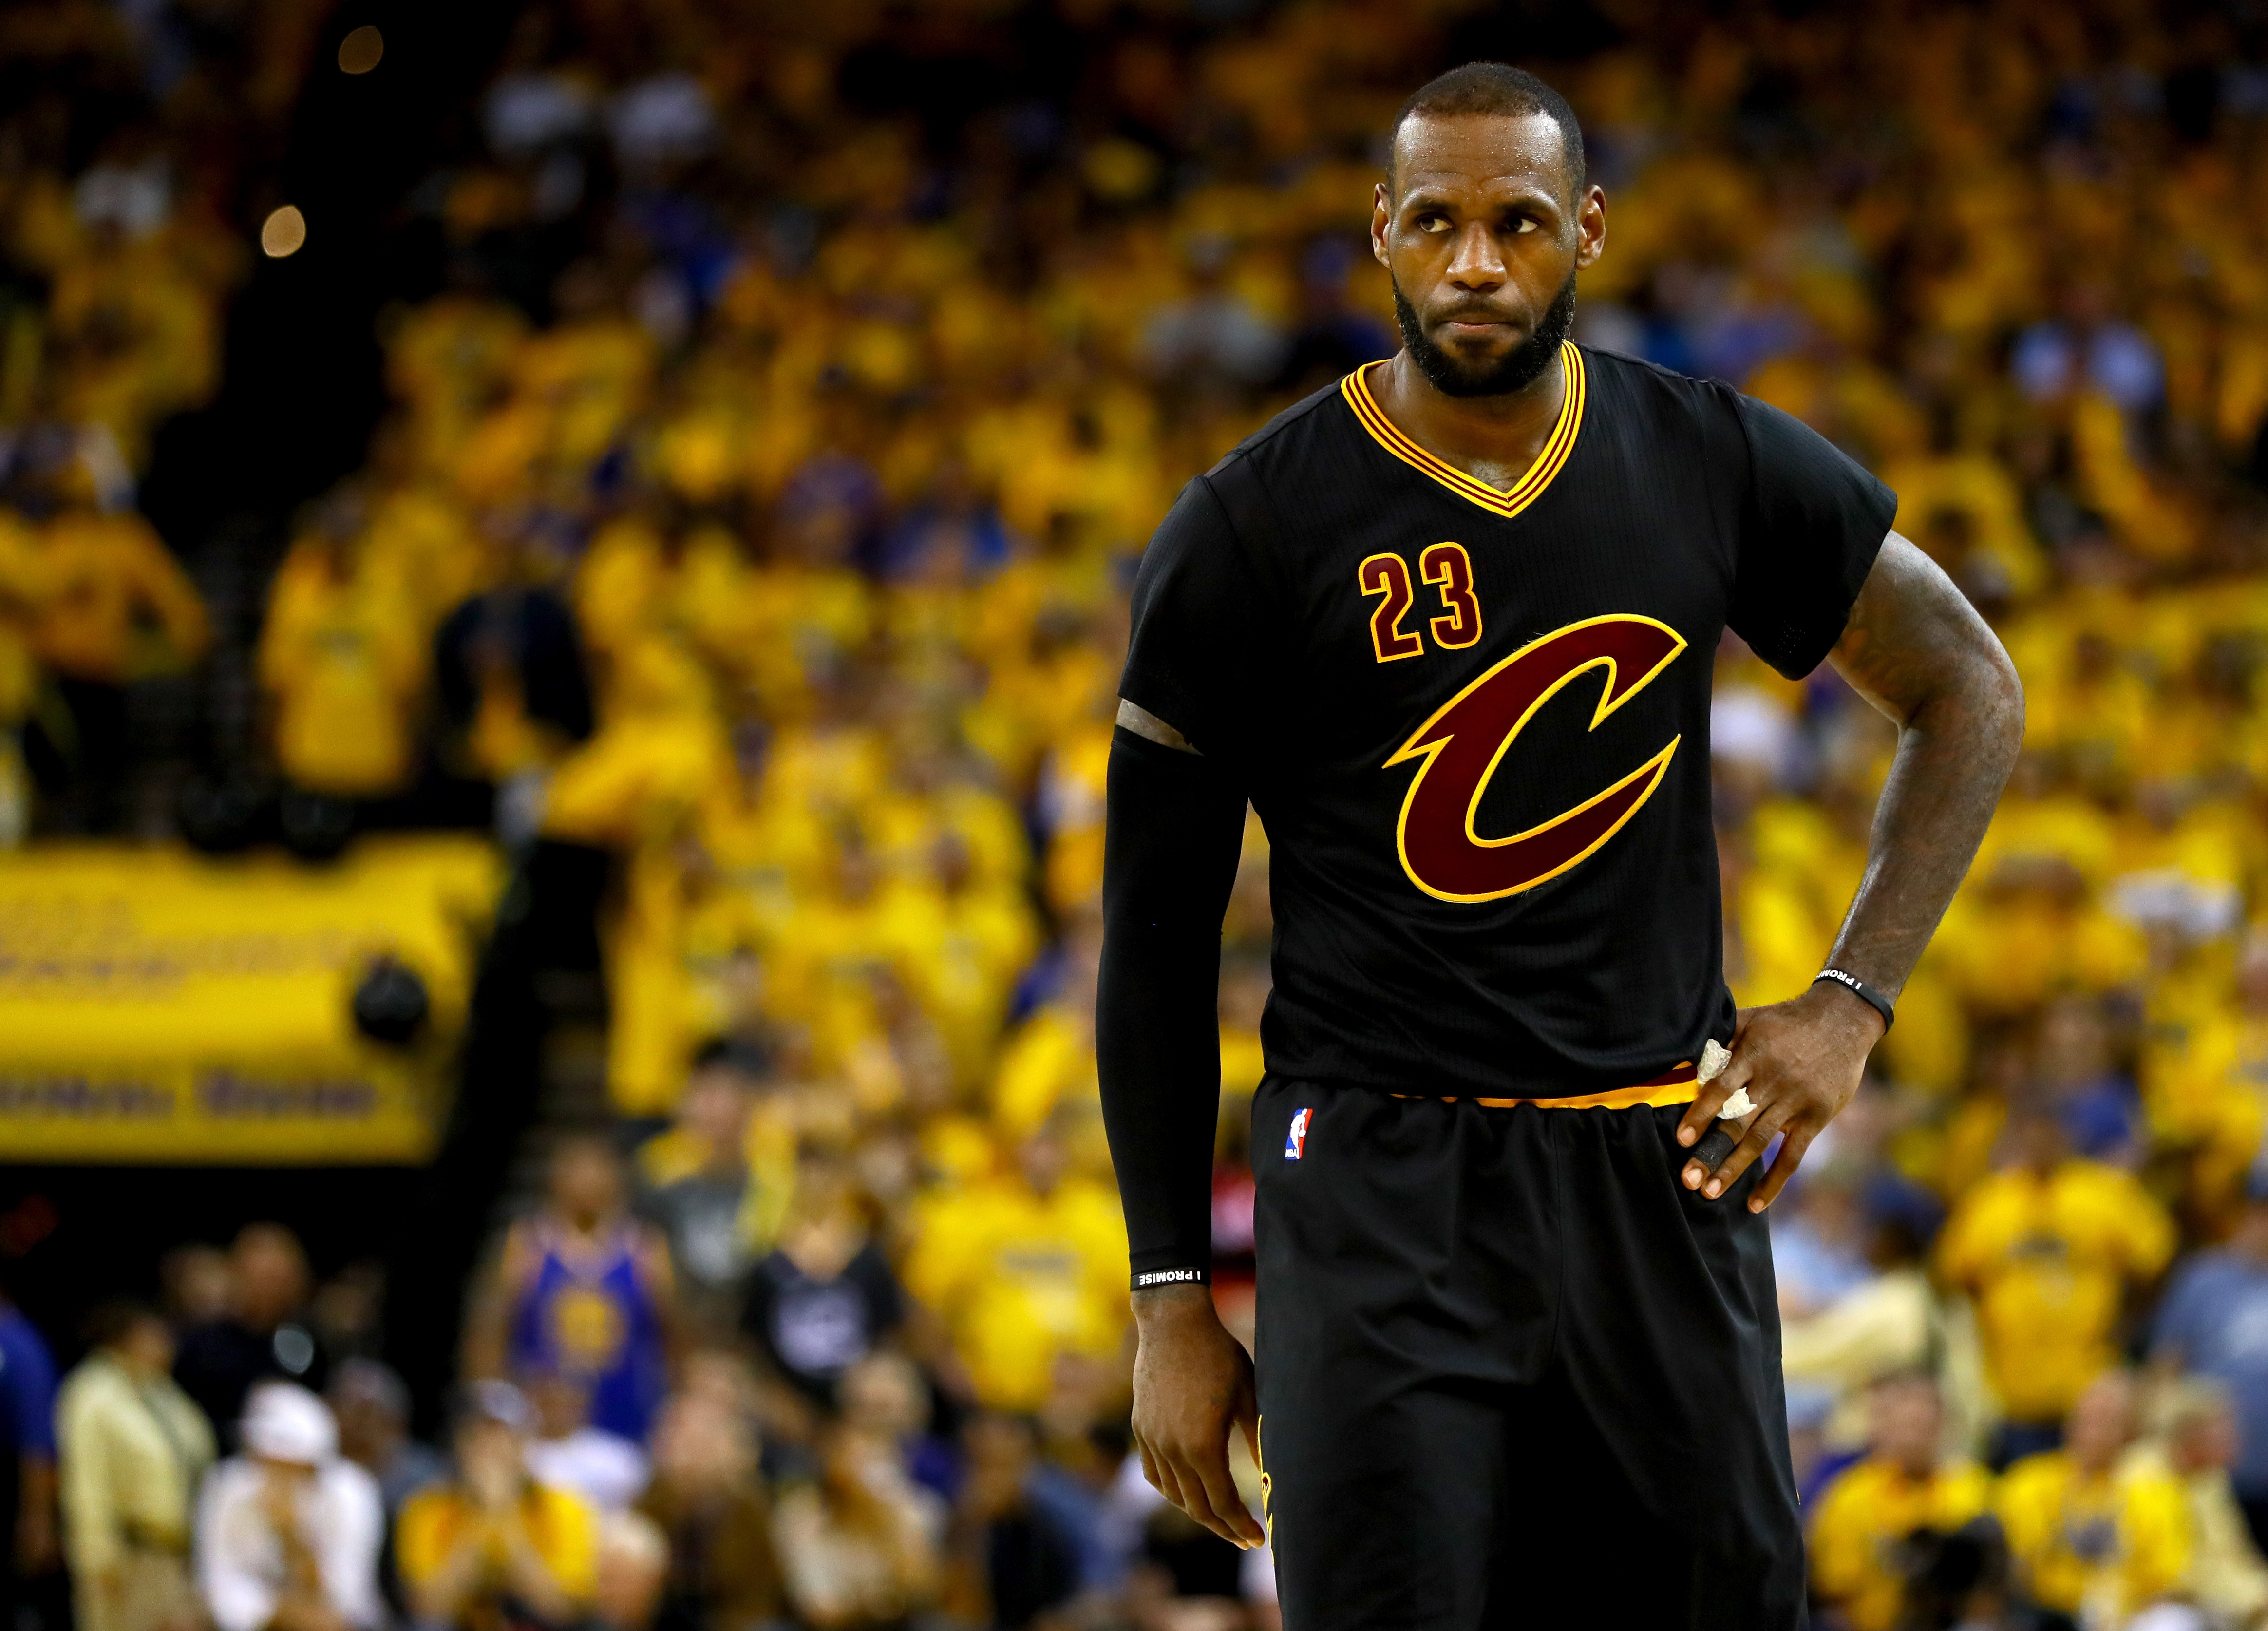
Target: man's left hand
(1801, 1061)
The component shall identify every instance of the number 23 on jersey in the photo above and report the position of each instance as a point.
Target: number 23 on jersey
(1449, 570)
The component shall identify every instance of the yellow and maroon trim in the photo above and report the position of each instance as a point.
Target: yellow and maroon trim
(1356, 389)
(1674, 1086)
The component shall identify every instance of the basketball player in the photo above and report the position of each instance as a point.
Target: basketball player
(1448, 625)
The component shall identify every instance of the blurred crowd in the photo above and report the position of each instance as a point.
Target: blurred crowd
(758, 506)
(132, 138)
(630, 1448)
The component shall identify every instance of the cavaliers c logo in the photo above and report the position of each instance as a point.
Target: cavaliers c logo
(1467, 738)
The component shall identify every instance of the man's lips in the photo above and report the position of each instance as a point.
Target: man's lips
(1472, 326)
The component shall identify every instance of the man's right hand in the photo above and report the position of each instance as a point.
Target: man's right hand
(1192, 1383)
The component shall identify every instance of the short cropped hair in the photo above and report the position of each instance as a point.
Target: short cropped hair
(1498, 90)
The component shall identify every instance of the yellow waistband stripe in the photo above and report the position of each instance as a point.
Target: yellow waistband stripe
(1674, 1086)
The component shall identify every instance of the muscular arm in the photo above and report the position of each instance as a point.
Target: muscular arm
(1916, 649)
(1176, 823)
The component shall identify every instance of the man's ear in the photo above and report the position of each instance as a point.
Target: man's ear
(1594, 206)
(1382, 216)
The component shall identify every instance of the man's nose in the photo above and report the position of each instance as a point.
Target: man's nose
(1476, 265)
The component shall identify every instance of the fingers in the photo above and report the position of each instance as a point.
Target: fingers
(1149, 1466)
(1232, 1522)
(1170, 1486)
(1783, 1166)
(1715, 1149)
(1710, 1098)
(1768, 1121)
(1710, 1153)
(1190, 1497)
(1203, 1486)
(1159, 1472)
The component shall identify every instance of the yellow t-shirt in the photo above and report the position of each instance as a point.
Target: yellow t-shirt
(344, 657)
(562, 1526)
(2047, 1260)
(1870, 1510)
(1019, 1278)
(1049, 1060)
(111, 585)
(2107, 1545)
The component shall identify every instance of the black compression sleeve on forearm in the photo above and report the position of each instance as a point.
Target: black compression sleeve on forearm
(1176, 823)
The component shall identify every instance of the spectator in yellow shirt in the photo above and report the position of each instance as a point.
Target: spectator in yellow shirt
(1049, 1060)
(491, 1548)
(1022, 1269)
(2095, 1537)
(114, 607)
(2048, 1247)
(1867, 1515)
(343, 658)
(118, 606)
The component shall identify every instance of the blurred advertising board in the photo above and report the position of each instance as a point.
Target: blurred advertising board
(162, 1007)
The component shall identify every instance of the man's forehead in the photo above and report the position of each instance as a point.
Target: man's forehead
(1497, 154)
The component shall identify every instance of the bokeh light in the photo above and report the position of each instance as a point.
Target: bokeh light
(283, 232)
(361, 50)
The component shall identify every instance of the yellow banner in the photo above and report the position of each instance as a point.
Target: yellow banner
(157, 1006)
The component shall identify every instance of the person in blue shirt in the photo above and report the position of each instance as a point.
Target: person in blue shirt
(583, 1291)
(2214, 1321)
(27, 1463)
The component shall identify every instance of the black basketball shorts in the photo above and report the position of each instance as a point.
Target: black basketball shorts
(1513, 1374)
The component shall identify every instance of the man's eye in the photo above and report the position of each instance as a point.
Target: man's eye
(1432, 224)
(1523, 225)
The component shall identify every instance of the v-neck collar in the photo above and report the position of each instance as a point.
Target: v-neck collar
(1496, 500)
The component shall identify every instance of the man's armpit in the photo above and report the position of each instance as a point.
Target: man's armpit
(1149, 727)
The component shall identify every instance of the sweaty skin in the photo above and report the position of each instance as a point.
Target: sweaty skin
(1481, 229)
(1916, 649)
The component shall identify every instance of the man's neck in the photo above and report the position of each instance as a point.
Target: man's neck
(1491, 438)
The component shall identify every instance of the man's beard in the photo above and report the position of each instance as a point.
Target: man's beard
(1510, 373)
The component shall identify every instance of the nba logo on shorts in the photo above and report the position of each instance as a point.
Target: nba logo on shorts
(1297, 1141)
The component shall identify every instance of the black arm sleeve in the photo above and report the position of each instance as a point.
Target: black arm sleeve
(1176, 824)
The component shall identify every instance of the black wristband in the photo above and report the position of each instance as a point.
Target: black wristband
(1864, 992)
(1149, 1280)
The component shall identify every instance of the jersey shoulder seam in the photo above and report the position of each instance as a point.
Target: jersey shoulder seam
(1704, 393)
(1277, 425)
(1694, 383)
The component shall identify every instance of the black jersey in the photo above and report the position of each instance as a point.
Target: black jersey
(1475, 723)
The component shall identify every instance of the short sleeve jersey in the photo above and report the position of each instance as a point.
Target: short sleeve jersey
(1475, 722)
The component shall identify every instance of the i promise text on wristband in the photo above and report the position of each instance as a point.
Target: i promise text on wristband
(1149, 1279)
(1864, 992)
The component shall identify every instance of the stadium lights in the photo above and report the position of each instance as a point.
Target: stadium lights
(361, 50)
(283, 232)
